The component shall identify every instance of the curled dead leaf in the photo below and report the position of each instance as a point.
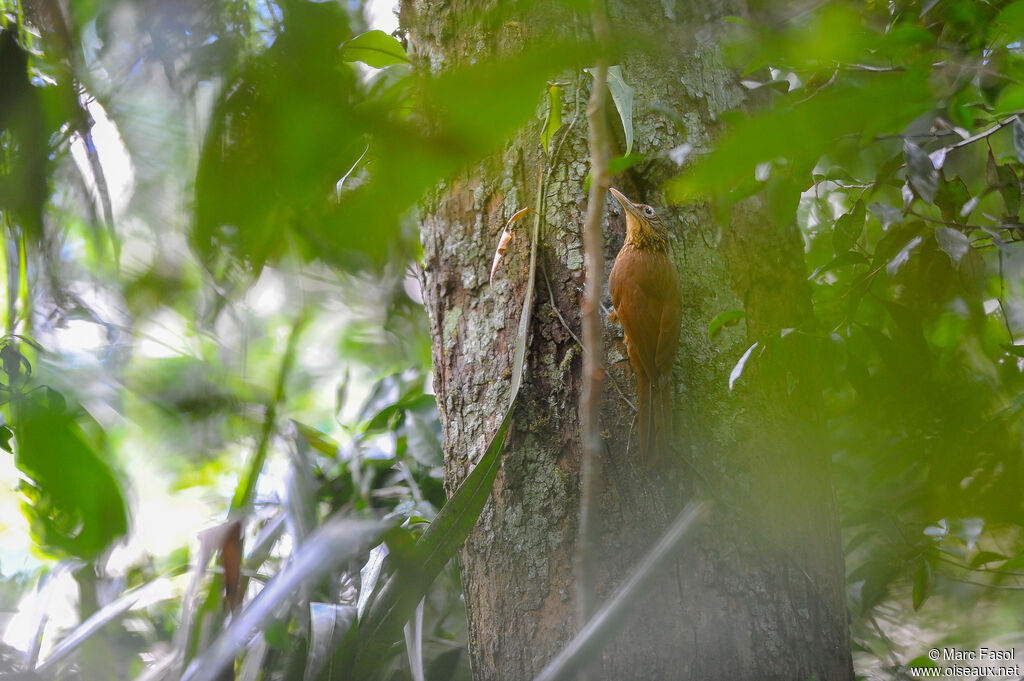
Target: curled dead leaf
(506, 238)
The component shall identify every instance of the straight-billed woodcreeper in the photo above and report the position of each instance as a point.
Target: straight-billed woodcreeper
(645, 295)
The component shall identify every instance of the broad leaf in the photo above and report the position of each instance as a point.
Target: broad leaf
(921, 172)
(951, 198)
(726, 318)
(374, 48)
(75, 501)
(885, 102)
(848, 229)
(953, 243)
(622, 95)
(985, 557)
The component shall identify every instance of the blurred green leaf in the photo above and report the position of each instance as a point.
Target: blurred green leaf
(921, 173)
(374, 48)
(75, 502)
(1015, 350)
(951, 197)
(24, 173)
(953, 243)
(727, 318)
(841, 260)
(848, 229)
(806, 129)
(922, 584)
(986, 557)
(902, 256)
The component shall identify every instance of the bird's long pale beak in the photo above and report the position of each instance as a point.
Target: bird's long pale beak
(626, 204)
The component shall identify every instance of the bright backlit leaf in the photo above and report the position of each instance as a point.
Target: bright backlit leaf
(374, 48)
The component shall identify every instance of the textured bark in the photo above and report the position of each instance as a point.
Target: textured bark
(759, 594)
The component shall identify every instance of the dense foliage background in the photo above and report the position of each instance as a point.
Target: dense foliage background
(212, 318)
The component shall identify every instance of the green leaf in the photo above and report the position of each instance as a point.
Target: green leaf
(985, 557)
(841, 260)
(902, 256)
(885, 102)
(374, 48)
(1015, 350)
(894, 240)
(616, 166)
(1011, 19)
(951, 197)
(953, 243)
(887, 215)
(554, 118)
(921, 172)
(848, 229)
(622, 95)
(397, 600)
(922, 584)
(75, 502)
(727, 318)
(621, 163)
(1009, 189)
(973, 273)
(423, 443)
(782, 195)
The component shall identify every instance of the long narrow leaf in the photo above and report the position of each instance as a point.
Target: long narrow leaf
(328, 624)
(246, 490)
(414, 643)
(613, 615)
(337, 541)
(523, 333)
(101, 618)
(398, 598)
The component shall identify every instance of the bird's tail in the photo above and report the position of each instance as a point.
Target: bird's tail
(660, 426)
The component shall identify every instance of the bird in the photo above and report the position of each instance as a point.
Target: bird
(647, 303)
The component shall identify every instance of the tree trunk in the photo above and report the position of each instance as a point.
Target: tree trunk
(759, 592)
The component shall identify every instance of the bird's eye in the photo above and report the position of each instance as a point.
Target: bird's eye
(648, 211)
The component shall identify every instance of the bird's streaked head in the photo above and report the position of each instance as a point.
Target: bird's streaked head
(644, 229)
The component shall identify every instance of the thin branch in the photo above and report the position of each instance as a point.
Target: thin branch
(590, 397)
(245, 491)
(1004, 587)
(987, 132)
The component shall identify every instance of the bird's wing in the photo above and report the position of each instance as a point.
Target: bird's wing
(613, 288)
(668, 328)
(641, 320)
